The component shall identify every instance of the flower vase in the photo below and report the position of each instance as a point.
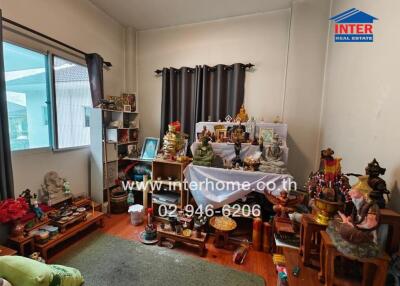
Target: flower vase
(17, 229)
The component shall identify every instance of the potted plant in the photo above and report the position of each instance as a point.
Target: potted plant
(11, 211)
(328, 187)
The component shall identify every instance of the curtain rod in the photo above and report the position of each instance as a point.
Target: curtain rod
(246, 66)
(107, 64)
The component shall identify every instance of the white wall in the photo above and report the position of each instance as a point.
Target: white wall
(261, 39)
(361, 101)
(302, 110)
(81, 25)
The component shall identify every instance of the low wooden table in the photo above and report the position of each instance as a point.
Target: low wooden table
(21, 242)
(199, 242)
(392, 219)
(94, 218)
(6, 251)
(310, 237)
(328, 254)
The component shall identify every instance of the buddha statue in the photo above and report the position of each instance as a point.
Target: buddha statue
(271, 159)
(53, 190)
(242, 115)
(204, 155)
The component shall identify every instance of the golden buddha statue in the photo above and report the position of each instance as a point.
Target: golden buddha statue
(242, 115)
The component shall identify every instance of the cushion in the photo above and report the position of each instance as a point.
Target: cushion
(4, 282)
(24, 271)
(28, 272)
(65, 276)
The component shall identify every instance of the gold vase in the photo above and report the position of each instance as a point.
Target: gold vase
(325, 210)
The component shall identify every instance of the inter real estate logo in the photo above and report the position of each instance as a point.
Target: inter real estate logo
(354, 26)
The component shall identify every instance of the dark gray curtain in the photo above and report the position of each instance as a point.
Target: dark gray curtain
(192, 95)
(179, 99)
(6, 175)
(220, 91)
(95, 69)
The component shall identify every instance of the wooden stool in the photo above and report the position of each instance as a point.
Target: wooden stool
(310, 237)
(327, 260)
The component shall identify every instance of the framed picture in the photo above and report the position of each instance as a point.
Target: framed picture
(127, 108)
(267, 134)
(150, 147)
(132, 151)
(220, 135)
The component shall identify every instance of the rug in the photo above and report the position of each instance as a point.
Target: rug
(105, 260)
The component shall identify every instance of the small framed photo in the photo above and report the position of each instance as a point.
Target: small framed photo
(267, 135)
(132, 151)
(150, 148)
(127, 108)
(221, 135)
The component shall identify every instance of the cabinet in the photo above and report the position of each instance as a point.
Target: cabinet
(168, 187)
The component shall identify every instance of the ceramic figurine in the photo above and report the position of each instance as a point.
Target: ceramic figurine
(27, 196)
(204, 154)
(355, 235)
(242, 115)
(36, 209)
(271, 161)
(359, 227)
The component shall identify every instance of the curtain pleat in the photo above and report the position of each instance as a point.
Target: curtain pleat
(6, 174)
(94, 64)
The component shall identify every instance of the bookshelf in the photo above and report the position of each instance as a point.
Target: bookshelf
(113, 134)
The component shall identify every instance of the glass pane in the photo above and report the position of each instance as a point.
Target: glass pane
(27, 94)
(72, 101)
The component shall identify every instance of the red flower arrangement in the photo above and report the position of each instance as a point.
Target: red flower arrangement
(11, 210)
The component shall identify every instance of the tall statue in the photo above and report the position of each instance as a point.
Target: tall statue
(271, 160)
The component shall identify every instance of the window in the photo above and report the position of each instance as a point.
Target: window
(27, 97)
(72, 97)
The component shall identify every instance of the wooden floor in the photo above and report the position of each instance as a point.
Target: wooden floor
(256, 262)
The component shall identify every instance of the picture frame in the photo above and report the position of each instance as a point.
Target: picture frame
(150, 148)
(127, 108)
(221, 134)
(132, 151)
(267, 134)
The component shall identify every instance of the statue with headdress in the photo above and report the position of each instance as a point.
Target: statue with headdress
(356, 234)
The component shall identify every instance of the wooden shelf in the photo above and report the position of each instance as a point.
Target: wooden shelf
(121, 111)
(127, 143)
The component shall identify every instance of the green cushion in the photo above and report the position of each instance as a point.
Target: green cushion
(65, 276)
(24, 271)
(28, 272)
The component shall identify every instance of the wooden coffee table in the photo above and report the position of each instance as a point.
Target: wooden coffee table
(193, 240)
(94, 218)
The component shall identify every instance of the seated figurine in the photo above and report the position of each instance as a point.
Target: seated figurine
(271, 160)
(356, 234)
(237, 161)
(204, 154)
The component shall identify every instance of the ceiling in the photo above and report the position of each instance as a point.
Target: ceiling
(150, 14)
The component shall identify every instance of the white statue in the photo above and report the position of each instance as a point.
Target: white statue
(55, 189)
(271, 160)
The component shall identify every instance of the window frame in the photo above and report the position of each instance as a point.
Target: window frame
(53, 93)
(26, 40)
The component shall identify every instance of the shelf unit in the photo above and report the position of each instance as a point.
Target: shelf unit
(161, 171)
(108, 146)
